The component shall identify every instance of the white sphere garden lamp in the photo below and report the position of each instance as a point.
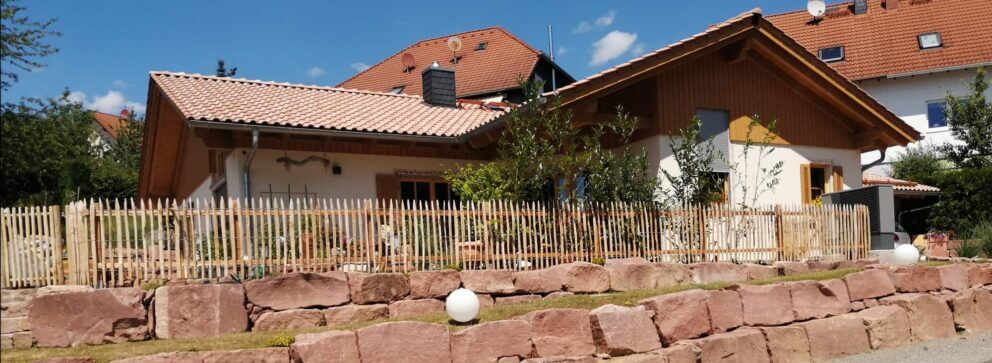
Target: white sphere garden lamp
(462, 305)
(905, 254)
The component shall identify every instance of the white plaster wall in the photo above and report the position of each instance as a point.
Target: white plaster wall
(907, 97)
(357, 179)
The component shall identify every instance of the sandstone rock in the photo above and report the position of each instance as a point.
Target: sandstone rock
(619, 330)
(821, 265)
(13, 325)
(259, 355)
(536, 282)
(67, 360)
(415, 307)
(491, 341)
(631, 274)
(355, 313)
(857, 306)
(725, 310)
(88, 317)
(62, 289)
(865, 262)
(404, 341)
(289, 319)
(789, 268)
(979, 274)
(888, 326)
(870, 303)
(679, 353)
(710, 272)
(508, 360)
(836, 336)
(498, 282)
(516, 299)
(756, 272)
(972, 310)
(562, 359)
(14, 309)
(189, 311)
(670, 274)
(377, 288)
(816, 300)
(563, 332)
(299, 290)
(170, 357)
(433, 284)
(558, 294)
(485, 300)
(765, 305)
(915, 278)
(787, 344)
(681, 315)
(16, 340)
(929, 317)
(741, 345)
(954, 277)
(338, 346)
(869, 284)
(583, 277)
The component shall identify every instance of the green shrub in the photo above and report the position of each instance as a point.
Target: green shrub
(967, 248)
(281, 340)
(963, 200)
(982, 235)
(152, 285)
(599, 260)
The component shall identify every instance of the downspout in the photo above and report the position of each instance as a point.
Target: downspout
(881, 158)
(246, 167)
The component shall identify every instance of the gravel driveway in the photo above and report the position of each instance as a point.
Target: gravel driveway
(975, 348)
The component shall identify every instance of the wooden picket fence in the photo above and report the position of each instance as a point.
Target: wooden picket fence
(126, 243)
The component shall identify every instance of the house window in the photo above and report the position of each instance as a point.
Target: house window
(720, 186)
(929, 40)
(832, 54)
(482, 46)
(715, 128)
(397, 89)
(935, 114)
(426, 190)
(814, 182)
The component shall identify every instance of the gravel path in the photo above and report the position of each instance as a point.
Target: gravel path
(975, 348)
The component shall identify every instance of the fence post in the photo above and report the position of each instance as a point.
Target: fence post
(779, 241)
(702, 232)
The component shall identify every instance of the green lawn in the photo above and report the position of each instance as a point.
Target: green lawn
(108, 352)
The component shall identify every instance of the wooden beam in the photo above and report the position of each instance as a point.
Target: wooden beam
(737, 52)
(865, 139)
(586, 119)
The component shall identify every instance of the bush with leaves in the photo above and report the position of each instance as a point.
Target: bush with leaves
(964, 199)
(754, 177)
(918, 162)
(695, 182)
(970, 121)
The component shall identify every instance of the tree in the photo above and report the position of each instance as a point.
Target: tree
(970, 120)
(918, 162)
(223, 71)
(21, 42)
(695, 183)
(115, 174)
(752, 185)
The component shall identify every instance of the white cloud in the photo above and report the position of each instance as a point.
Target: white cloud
(638, 49)
(561, 51)
(582, 27)
(119, 84)
(112, 102)
(612, 45)
(359, 66)
(315, 72)
(606, 19)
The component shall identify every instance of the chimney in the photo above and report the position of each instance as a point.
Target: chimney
(891, 4)
(439, 85)
(860, 6)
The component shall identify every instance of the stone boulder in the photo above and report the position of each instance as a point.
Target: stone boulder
(743, 345)
(789, 268)
(299, 290)
(190, 311)
(258, 355)
(561, 332)
(670, 274)
(888, 326)
(404, 341)
(289, 319)
(836, 336)
(711, 272)
(88, 317)
(355, 313)
(541, 281)
(516, 299)
(869, 284)
(582, 277)
(619, 330)
(499, 282)
(338, 346)
(725, 310)
(787, 344)
(980, 274)
(915, 278)
(415, 307)
(369, 288)
(817, 300)
(954, 277)
(433, 284)
(822, 265)
(972, 310)
(759, 272)
(681, 315)
(631, 274)
(491, 341)
(765, 305)
(485, 300)
(929, 317)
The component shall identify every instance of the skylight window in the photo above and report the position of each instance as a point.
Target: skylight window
(929, 40)
(482, 46)
(832, 54)
(397, 89)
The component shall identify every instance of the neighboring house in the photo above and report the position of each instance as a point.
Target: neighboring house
(489, 65)
(208, 135)
(105, 128)
(906, 54)
(912, 200)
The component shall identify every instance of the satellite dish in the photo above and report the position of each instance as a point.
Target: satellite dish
(454, 43)
(816, 8)
(409, 62)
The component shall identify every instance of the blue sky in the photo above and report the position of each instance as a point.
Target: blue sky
(108, 47)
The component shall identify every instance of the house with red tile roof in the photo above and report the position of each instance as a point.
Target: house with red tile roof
(217, 136)
(105, 128)
(489, 64)
(907, 54)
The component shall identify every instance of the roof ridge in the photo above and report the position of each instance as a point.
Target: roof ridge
(802, 10)
(283, 84)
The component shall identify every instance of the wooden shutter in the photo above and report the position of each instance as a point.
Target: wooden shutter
(387, 186)
(838, 178)
(804, 182)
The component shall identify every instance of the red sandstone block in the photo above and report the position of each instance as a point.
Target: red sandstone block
(405, 341)
(888, 326)
(836, 336)
(787, 344)
(678, 316)
(916, 278)
(929, 317)
(491, 341)
(954, 277)
(743, 345)
(765, 305)
(725, 310)
(869, 284)
(816, 300)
